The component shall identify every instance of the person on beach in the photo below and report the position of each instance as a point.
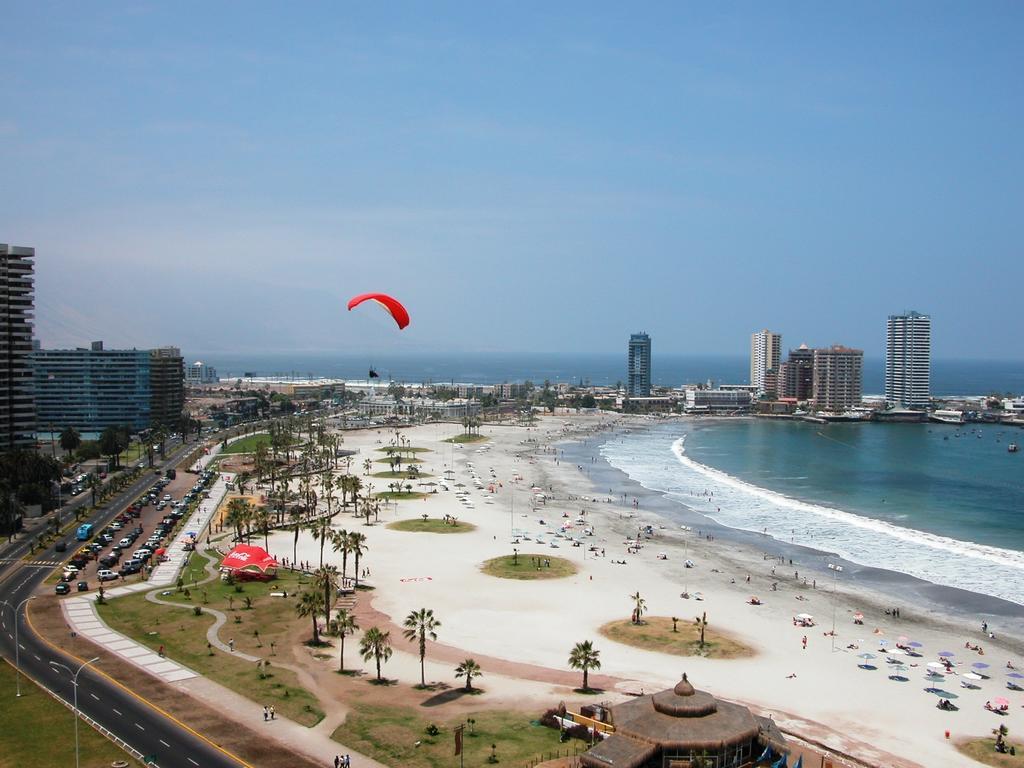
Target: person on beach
(804, 641)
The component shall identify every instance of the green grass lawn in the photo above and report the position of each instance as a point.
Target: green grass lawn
(248, 444)
(390, 735)
(183, 635)
(984, 751)
(464, 438)
(37, 730)
(431, 525)
(655, 634)
(403, 451)
(400, 495)
(524, 568)
(401, 475)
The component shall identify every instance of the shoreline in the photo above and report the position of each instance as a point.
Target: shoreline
(822, 688)
(962, 609)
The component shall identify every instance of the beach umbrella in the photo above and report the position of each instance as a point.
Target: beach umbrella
(946, 654)
(902, 639)
(980, 665)
(972, 676)
(866, 655)
(999, 701)
(936, 665)
(1016, 676)
(804, 616)
(915, 644)
(897, 652)
(858, 616)
(883, 642)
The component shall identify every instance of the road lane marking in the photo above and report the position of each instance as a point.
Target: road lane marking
(165, 743)
(116, 712)
(95, 696)
(37, 658)
(192, 761)
(139, 727)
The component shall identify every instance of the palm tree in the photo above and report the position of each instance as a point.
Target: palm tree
(639, 606)
(296, 514)
(326, 578)
(238, 516)
(419, 625)
(309, 605)
(357, 546)
(321, 530)
(584, 656)
(70, 440)
(367, 466)
(327, 487)
(262, 519)
(376, 645)
(347, 625)
(93, 482)
(340, 543)
(468, 669)
(354, 486)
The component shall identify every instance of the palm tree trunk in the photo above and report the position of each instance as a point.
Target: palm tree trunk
(423, 654)
(295, 545)
(341, 654)
(378, 666)
(586, 686)
(316, 632)
(357, 570)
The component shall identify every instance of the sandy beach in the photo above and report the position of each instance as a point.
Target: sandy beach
(524, 630)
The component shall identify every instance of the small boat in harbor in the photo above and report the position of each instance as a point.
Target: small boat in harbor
(1012, 448)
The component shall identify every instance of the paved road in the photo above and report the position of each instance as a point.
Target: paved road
(130, 718)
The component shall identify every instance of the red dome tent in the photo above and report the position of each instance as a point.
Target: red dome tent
(248, 562)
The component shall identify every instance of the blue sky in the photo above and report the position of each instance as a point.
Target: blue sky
(525, 176)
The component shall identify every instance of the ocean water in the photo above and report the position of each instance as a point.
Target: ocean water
(939, 503)
(949, 377)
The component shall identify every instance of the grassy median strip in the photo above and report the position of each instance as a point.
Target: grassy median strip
(403, 736)
(38, 730)
(257, 623)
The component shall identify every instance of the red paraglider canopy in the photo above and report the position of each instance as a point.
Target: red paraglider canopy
(391, 305)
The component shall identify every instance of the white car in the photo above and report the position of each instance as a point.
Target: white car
(106, 575)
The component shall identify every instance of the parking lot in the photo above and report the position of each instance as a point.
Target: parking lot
(134, 540)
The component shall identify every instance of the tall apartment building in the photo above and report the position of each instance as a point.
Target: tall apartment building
(908, 360)
(796, 374)
(201, 373)
(765, 352)
(838, 378)
(638, 372)
(17, 410)
(91, 389)
(166, 372)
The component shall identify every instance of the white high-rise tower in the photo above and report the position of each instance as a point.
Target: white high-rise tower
(765, 353)
(908, 360)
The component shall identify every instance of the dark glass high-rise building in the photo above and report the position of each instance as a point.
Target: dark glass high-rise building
(638, 379)
(17, 298)
(167, 384)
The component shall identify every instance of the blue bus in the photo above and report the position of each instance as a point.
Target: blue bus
(84, 532)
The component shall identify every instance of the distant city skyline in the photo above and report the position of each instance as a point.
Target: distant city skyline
(524, 179)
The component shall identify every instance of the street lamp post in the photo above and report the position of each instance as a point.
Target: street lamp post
(74, 682)
(836, 570)
(17, 653)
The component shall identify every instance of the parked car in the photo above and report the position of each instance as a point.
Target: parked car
(106, 575)
(130, 567)
(78, 562)
(83, 586)
(62, 588)
(109, 561)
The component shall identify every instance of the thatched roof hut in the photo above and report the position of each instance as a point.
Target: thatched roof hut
(683, 723)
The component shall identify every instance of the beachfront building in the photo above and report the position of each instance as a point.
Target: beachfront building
(199, 373)
(765, 352)
(908, 359)
(17, 300)
(796, 375)
(838, 378)
(723, 400)
(387, 407)
(682, 727)
(638, 371)
(166, 386)
(91, 389)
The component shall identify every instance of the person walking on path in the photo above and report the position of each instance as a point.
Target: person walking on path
(273, 712)
(231, 645)
(337, 761)
(804, 641)
(266, 713)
